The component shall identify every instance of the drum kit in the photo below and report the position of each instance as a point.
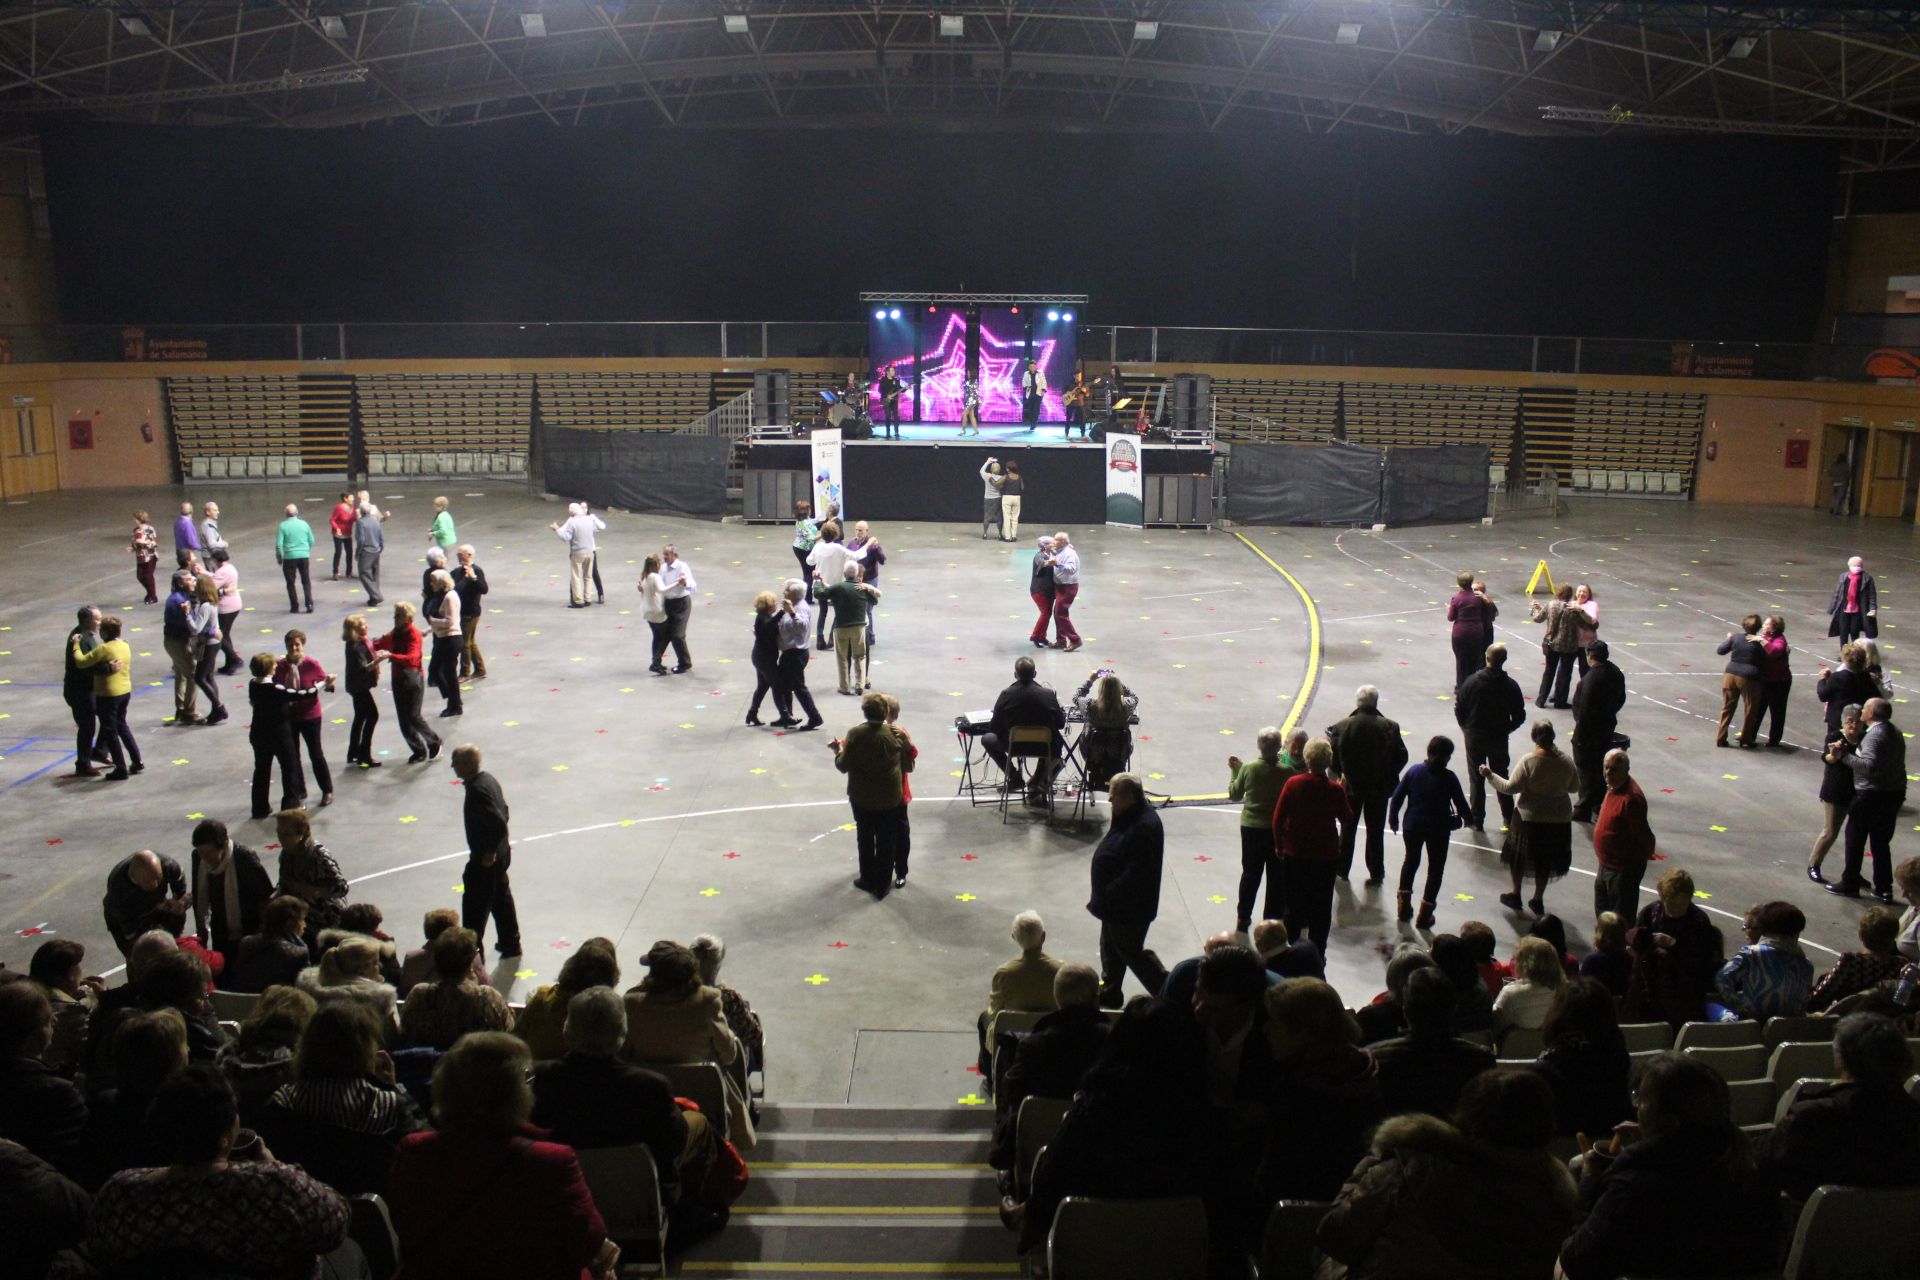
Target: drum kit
(844, 407)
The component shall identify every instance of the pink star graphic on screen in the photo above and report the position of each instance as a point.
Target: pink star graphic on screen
(943, 375)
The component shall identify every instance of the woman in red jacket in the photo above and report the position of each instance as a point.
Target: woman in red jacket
(485, 1195)
(1308, 822)
(402, 647)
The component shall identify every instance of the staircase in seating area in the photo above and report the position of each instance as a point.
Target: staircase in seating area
(843, 1190)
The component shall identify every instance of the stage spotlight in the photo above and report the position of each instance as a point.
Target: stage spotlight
(1014, 310)
(931, 308)
(894, 314)
(1066, 315)
(880, 314)
(1053, 315)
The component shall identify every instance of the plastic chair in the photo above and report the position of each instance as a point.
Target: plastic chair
(232, 1006)
(626, 1189)
(1717, 1035)
(1748, 1062)
(1644, 1036)
(1033, 1129)
(1287, 1245)
(1128, 1239)
(1791, 1062)
(1521, 1043)
(1809, 1029)
(371, 1227)
(1789, 1096)
(1752, 1101)
(1034, 744)
(701, 1082)
(1856, 1233)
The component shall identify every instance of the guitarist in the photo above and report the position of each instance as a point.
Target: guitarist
(1075, 399)
(890, 388)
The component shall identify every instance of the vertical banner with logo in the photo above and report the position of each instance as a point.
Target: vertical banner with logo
(1123, 481)
(826, 471)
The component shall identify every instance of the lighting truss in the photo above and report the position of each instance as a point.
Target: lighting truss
(976, 299)
(1708, 124)
(285, 81)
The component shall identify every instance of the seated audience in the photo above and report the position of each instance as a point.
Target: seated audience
(343, 1088)
(363, 919)
(274, 956)
(260, 1060)
(672, 1017)
(1553, 930)
(417, 967)
(1480, 1196)
(1325, 1094)
(1676, 953)
(542, 1023)
(1877, 960)
(1473, 1003)
(1675, 1194)
(1770, 977)
(1023, 984)
(452, 1004)
(1228, 1005)
(484, 1194)
(350, 970)
(40, 1109)
(1135, 1127)
(230, 888)
(233, 1212)
(57, 968)
(43, 1215)
(709, 952)
(1861, 1131)
(1482, 944)
(1426, 1069)
(116, 1003)
(1524, 1002)
(1052, 1057)
(1284, 957)
(1609, 963)
(171, 917)
(149, 1048)
(1184, 978)
(1384, 1019)
(1585, 1061)
(1907, 877)
(590, 1098)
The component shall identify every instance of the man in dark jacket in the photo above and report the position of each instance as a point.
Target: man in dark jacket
(591, 1098)
(1850, 686)
(230, 889)
(486, 889)
(1126, 890)
(136, 887)
(39, 1108)
(1426, 1069)
(1368, 755)
(1025, 703)
(1740, 686)
(77, 688)
(1596, 710)
(1488, 707)
(276, 954)
(1053, 1056)
(1879, 767)
(1863, 1131)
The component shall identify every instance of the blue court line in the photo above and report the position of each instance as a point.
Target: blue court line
(65, 757)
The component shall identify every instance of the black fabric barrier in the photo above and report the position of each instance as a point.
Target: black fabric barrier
(1303, 484)
(1445, 484)
(936, 482)
(638, 470)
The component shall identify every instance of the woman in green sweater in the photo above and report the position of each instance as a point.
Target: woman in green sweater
(1256, 784)
(442, 534)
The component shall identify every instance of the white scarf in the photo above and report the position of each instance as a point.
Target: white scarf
(202, 913)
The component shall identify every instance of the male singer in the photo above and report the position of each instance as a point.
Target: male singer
(1033, 391)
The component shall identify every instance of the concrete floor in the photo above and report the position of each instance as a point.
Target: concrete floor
(643, 808)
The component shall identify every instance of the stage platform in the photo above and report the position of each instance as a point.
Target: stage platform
(998, 434)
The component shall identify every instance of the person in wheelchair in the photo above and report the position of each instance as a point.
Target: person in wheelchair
(1107, 707)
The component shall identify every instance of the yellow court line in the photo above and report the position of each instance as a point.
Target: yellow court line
(863, 1268)
(1301, 698)
(976, 1166)
(861, 1210)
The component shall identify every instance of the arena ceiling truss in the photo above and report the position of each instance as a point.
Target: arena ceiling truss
(1179, 66)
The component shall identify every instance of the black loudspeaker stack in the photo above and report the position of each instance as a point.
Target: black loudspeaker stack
(772, 405)
(1192, 407)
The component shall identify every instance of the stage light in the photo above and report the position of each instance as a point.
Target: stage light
(953, 25)
(931, 308)
(735, 24)
(880, 314)
(1349, 33)
(1053, 315)
(1547, 41)
(1066, 315)
(1015, 310)
(334, 25)
(533, 25)
(1742, 47)
(894, 314)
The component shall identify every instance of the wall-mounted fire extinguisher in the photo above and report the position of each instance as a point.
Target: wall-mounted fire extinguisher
(146, 432)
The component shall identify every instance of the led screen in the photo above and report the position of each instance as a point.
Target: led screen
(943, 363)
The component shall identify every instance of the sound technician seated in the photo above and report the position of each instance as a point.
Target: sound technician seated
(1026, 702)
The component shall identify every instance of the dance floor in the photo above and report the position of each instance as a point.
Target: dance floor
(644, 808)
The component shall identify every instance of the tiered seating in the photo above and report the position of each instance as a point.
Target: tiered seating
(260, 426)
(1615, 441)
(624, 401)
(1297, 408)
(1384, 414)
(446, 423)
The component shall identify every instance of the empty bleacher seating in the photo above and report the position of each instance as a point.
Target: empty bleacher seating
(260, 426)
(624, 401)
(445, 423)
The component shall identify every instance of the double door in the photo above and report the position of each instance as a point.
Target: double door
(29, 458)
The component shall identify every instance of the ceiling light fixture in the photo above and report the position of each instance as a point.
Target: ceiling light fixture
(533, 25)
(953, 25)
(334, 25)
(734, 23)
(1547, 41)
(1349, 33)
(1146, 31)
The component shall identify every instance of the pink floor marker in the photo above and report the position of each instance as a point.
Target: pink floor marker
(56, 840)
(836, 946)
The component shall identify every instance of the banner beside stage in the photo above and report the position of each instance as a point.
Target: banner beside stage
(825, 445)
(1124, 506)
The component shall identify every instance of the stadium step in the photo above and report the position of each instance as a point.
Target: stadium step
(857, 1191)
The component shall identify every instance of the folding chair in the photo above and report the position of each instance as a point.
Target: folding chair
(1128, 1239)
(1033, 743)
(1752, 1102)
(1791, 1062)
(1287, 1245)
(1033, 1129)
(1853, 1233)
(626, 1190)
(700, 1082)
(1643, 1036)
(371, 1227)
(1809, 1029)
(1790, 1095)
(1717, 1035)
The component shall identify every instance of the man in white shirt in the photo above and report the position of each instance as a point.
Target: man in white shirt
(1065, 561)
(1033, 391)
(578, 534)
(828, 560)
(790, 680)
(676, 581)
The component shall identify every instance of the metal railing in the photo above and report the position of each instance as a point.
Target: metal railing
(732, 420)
(1844, 360)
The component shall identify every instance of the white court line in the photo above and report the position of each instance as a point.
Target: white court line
(1202, 635)
(1329, 619)
(1188, 595)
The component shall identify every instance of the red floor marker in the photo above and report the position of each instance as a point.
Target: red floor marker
(836, 946)
(56, 840)
(969, 857)
(729, 854)
(1201, 857)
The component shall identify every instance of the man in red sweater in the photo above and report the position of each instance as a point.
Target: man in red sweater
(1622, 841)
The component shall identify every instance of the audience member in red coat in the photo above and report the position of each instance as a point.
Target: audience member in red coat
(1622, 841)
(1309, 821)
(485, 1195)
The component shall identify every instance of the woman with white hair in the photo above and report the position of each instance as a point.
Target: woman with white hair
(436, 561)
(1854, 608)
(442, 534)
(443, 615)
(709, 953)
